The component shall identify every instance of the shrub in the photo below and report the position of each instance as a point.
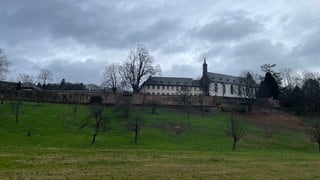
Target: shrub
(225, 107)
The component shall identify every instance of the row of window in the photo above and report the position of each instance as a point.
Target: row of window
(249, 91)
(171, 87)
(173, 83)
(168, 94)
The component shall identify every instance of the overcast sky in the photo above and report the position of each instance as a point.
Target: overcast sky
(75, 39)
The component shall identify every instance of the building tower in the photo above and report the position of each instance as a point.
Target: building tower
(204, 81)
(204, 68)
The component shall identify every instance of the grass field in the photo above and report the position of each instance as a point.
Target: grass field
(170, 146)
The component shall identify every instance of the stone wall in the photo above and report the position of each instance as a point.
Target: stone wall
(84, 97)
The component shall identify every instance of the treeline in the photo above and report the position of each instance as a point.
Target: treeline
(63, 86)
(303, 100)
(296, 92)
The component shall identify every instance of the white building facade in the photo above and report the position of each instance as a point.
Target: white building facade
(211, 84)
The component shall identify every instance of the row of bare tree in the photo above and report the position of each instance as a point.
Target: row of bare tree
(131, 72)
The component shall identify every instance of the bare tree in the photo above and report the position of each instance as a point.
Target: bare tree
(201, 98)
(45, 76)
(96, 112)
(111, 76)
(4, 65)
(247, 90)
(184, 95)
(315, 133)
(154, 103)
(124, 105)
(235, 131)
(25, 78)
(290, 78)
(17, 109)
(139, 66)
(137, 127)
(306, 75)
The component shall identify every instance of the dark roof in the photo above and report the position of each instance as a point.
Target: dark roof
(222, 78)
(30, 86)
(171, 81)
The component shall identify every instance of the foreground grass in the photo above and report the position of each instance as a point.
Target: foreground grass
(57, 163)
(170, 146)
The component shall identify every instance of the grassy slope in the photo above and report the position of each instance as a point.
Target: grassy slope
(170, 145)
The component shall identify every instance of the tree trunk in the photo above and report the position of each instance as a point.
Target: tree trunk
(17, 117)
(234, 145)
(94, 137)
(29, 131)
(153, 109)
(97, 130)
(136, 131)
(75, 108)
(136, 135)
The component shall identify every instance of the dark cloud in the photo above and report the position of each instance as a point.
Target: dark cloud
(230, 26)
(184, 70)
(84, 35)
(88, 71)
(309, 48)
(157, 33)
(258, 50)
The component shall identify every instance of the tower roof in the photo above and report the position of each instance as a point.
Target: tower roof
(204, 61)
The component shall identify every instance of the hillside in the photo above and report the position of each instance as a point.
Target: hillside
(168, 142)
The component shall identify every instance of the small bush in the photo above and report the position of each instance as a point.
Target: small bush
(225, 107)
(240, 107)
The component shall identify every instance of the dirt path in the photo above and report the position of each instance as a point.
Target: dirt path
(274, 120)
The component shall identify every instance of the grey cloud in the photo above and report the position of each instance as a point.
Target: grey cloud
(258, 50)
(88, 71)
(229, 26)
(245, 55)
(309, 48)
(18, 66)
(184, 70)
(175, 32)
(104, 25)
(157, 33)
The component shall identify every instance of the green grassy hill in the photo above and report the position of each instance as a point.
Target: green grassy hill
(170, 146)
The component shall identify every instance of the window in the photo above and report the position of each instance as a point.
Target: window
(231, 89)
(224, 88)
(162, 94)
(152, 86)
(168, 93)
(158, 93)
(163, 87)
(172, 87)
(152, 93)
(158, 87)
(167, 87)
(239, 90)
(215, 87)
(148, 87)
